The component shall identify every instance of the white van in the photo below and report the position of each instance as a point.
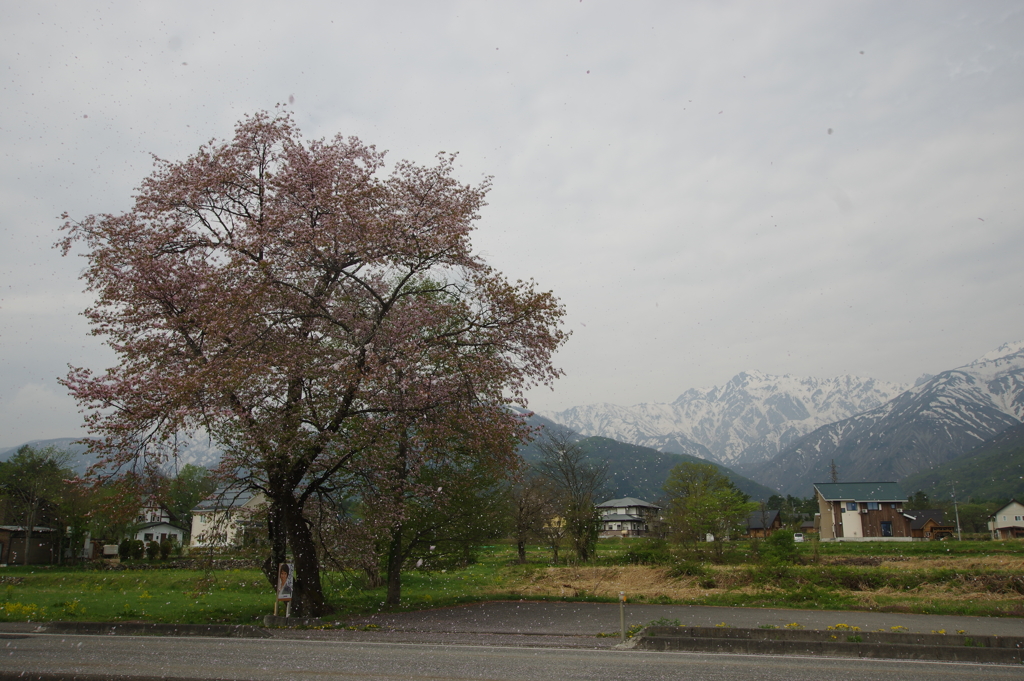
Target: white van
(798, 536)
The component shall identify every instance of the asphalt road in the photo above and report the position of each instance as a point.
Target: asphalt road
(272, 659)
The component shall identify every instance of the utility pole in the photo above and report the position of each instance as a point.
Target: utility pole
(833, 471)
(959, 536)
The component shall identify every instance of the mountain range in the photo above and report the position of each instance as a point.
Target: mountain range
(748, 420)
(783, 432)
(770, 428)
(943, 418)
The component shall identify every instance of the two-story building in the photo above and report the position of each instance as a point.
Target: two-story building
(627, 517)
(222, 518)
(858, 511)
(156, 523)
(1008, 522)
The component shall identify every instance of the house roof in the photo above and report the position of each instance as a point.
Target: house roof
(222, 499)
(149, 502)
(860, 491)
(1011, 503)
(21, 528)
(759, 520)
(626, 502)
(923, 516)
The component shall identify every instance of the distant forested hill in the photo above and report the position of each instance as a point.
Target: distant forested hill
(635, 471)
(991, 471)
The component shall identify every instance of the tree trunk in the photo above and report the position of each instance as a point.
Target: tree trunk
(373, 578)
(395, 557)
(307, 592)
(30, 519)
(521, 545)
(395, 560)
(278, 543)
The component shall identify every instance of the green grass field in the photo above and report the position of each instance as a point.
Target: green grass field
(973, 578)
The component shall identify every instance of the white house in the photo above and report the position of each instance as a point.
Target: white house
(156, 523)
(152, 511)
(161, 531)
(1008, 522)
(221, 518)
(626, 517)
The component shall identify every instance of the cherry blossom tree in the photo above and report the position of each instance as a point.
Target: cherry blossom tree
(305, 309)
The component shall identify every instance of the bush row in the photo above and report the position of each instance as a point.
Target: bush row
(873, 578)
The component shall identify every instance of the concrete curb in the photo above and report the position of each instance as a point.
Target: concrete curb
(64, 676)
(845, 643)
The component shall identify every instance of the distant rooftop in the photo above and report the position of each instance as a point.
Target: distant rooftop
(625, 502)
(223, 499)
(760, 520)
(860, 491)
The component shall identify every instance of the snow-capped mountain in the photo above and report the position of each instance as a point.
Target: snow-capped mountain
(929, 424)
(750, 419)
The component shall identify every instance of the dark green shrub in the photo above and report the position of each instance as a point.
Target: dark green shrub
(165, 549)
(779, 548)
(153, 550)
(687, 568)
(124, 549)
(138, 549)
(648, 552)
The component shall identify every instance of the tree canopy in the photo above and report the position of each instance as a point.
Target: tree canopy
(577, 482)
(701, 502)
(303, 308)
(33, 481)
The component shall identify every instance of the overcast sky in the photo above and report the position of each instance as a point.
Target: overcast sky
(808, 188)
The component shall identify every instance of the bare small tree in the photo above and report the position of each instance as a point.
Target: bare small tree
(577, 481)
(531, 498)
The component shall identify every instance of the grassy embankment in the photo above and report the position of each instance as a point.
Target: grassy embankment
(966, 578)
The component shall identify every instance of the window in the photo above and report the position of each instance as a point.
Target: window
(872, 505)
(1016, 517)
(851, 505)
(892, 505)
(886, 528)
(147, 537)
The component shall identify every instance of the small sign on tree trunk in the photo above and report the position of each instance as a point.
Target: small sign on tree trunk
(285, 581)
